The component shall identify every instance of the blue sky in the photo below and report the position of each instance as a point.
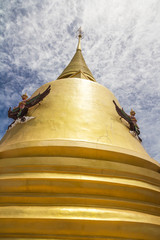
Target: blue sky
(121, 47)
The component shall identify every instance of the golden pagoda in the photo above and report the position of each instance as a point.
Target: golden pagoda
(74, 171)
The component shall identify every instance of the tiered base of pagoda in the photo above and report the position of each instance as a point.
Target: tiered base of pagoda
(69, 194)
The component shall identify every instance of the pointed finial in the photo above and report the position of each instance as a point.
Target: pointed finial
(79, 35)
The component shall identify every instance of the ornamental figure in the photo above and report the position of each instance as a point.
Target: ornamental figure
(130, 119)
(19, 113)
(22, 104)
(134, 120)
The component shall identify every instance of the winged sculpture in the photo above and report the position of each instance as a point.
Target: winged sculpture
(130, 119)
(20, 112)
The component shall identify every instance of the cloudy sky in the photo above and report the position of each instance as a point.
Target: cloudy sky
(121, 46)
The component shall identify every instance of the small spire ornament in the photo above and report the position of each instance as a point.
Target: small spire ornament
(80, 35)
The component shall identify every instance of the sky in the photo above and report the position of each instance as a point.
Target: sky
(121, 47)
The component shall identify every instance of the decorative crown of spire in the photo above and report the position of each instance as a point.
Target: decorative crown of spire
(80, 36)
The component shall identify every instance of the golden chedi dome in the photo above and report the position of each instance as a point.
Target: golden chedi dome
(75, 171)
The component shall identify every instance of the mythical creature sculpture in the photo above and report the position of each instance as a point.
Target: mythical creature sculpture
(19, 113)
(130, 119)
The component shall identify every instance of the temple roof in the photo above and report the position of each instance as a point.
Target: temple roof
(77, 67)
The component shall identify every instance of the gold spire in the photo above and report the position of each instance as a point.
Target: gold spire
(77, 66)
(79, 38)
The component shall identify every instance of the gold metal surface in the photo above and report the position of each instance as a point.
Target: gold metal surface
(75, 109)
(56, 197)
(83, 213)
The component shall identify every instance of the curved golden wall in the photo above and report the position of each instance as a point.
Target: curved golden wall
(75, 109)
(75, 171)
